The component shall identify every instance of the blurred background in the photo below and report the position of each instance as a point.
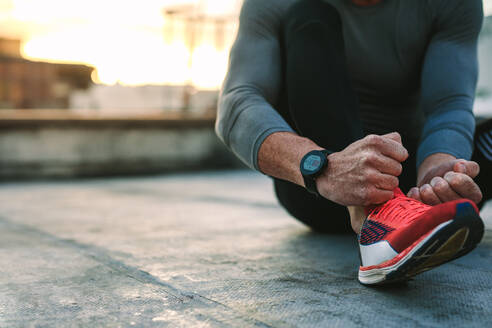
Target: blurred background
(124, 87)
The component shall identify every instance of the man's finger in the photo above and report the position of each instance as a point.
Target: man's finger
(443, 190)
(387, 165)
(414, 193)
(387, 182)
(428, 196)
(393, 136)
(381, 196)
(464, 185)
(459, 165)
(392, 149)
(469, 168)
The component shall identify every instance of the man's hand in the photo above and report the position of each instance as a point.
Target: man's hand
(364, 173)
(444, 178)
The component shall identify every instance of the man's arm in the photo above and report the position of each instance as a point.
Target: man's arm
(449, 77)
(362, 174)
(247, 121)
(246, 116)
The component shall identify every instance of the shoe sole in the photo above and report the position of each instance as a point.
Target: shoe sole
(448, 241)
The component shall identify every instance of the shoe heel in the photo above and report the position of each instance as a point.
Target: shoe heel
(467, 215)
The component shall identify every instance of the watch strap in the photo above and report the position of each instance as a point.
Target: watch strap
(310, 184)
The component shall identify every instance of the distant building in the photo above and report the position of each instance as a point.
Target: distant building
(10, 48)
(144, 99)
(31, 84)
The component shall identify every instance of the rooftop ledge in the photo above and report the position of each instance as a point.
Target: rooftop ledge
(68, 143)
(32, 118)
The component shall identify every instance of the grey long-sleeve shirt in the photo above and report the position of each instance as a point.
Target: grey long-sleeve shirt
(413, 64)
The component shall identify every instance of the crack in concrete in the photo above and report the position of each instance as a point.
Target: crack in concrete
(100, 255)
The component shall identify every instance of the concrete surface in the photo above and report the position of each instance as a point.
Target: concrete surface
(204, 250)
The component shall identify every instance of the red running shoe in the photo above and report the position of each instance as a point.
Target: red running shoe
(404, 237)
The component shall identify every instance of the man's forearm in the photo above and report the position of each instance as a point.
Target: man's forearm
(281, 153)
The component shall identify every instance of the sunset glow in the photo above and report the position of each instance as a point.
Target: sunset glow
(126, 41)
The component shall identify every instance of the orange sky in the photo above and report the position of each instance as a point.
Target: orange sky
(124, 40)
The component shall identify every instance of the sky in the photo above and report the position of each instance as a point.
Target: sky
(129, 42)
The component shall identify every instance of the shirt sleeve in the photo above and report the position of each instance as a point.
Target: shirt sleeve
(449, 78)
(245, 112)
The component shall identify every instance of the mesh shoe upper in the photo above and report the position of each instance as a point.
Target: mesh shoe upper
(402, 220)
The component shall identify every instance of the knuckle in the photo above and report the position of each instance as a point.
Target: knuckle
(398, 169)
(479, 196)
(426, 196)
(425, 191)
(440, 185)
(401, 151)
(371, 195)
(477, 168)
(364, 194)
(371, 176)
(373, 139)
(371, 158)
(414, 192)
(457, 180)
(449, 176)
(405, 152)
(453, 181)
(394, 182)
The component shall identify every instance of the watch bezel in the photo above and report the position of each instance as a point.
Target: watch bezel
(322, 163)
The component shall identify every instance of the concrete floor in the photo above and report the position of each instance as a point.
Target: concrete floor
(200, 250)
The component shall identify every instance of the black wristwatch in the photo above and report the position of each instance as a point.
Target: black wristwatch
(312, 165)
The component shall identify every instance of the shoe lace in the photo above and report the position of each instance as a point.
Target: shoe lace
(400, 208)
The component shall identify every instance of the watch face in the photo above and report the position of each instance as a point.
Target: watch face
(312, 163)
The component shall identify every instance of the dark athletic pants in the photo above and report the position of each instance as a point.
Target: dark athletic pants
(319, 102)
